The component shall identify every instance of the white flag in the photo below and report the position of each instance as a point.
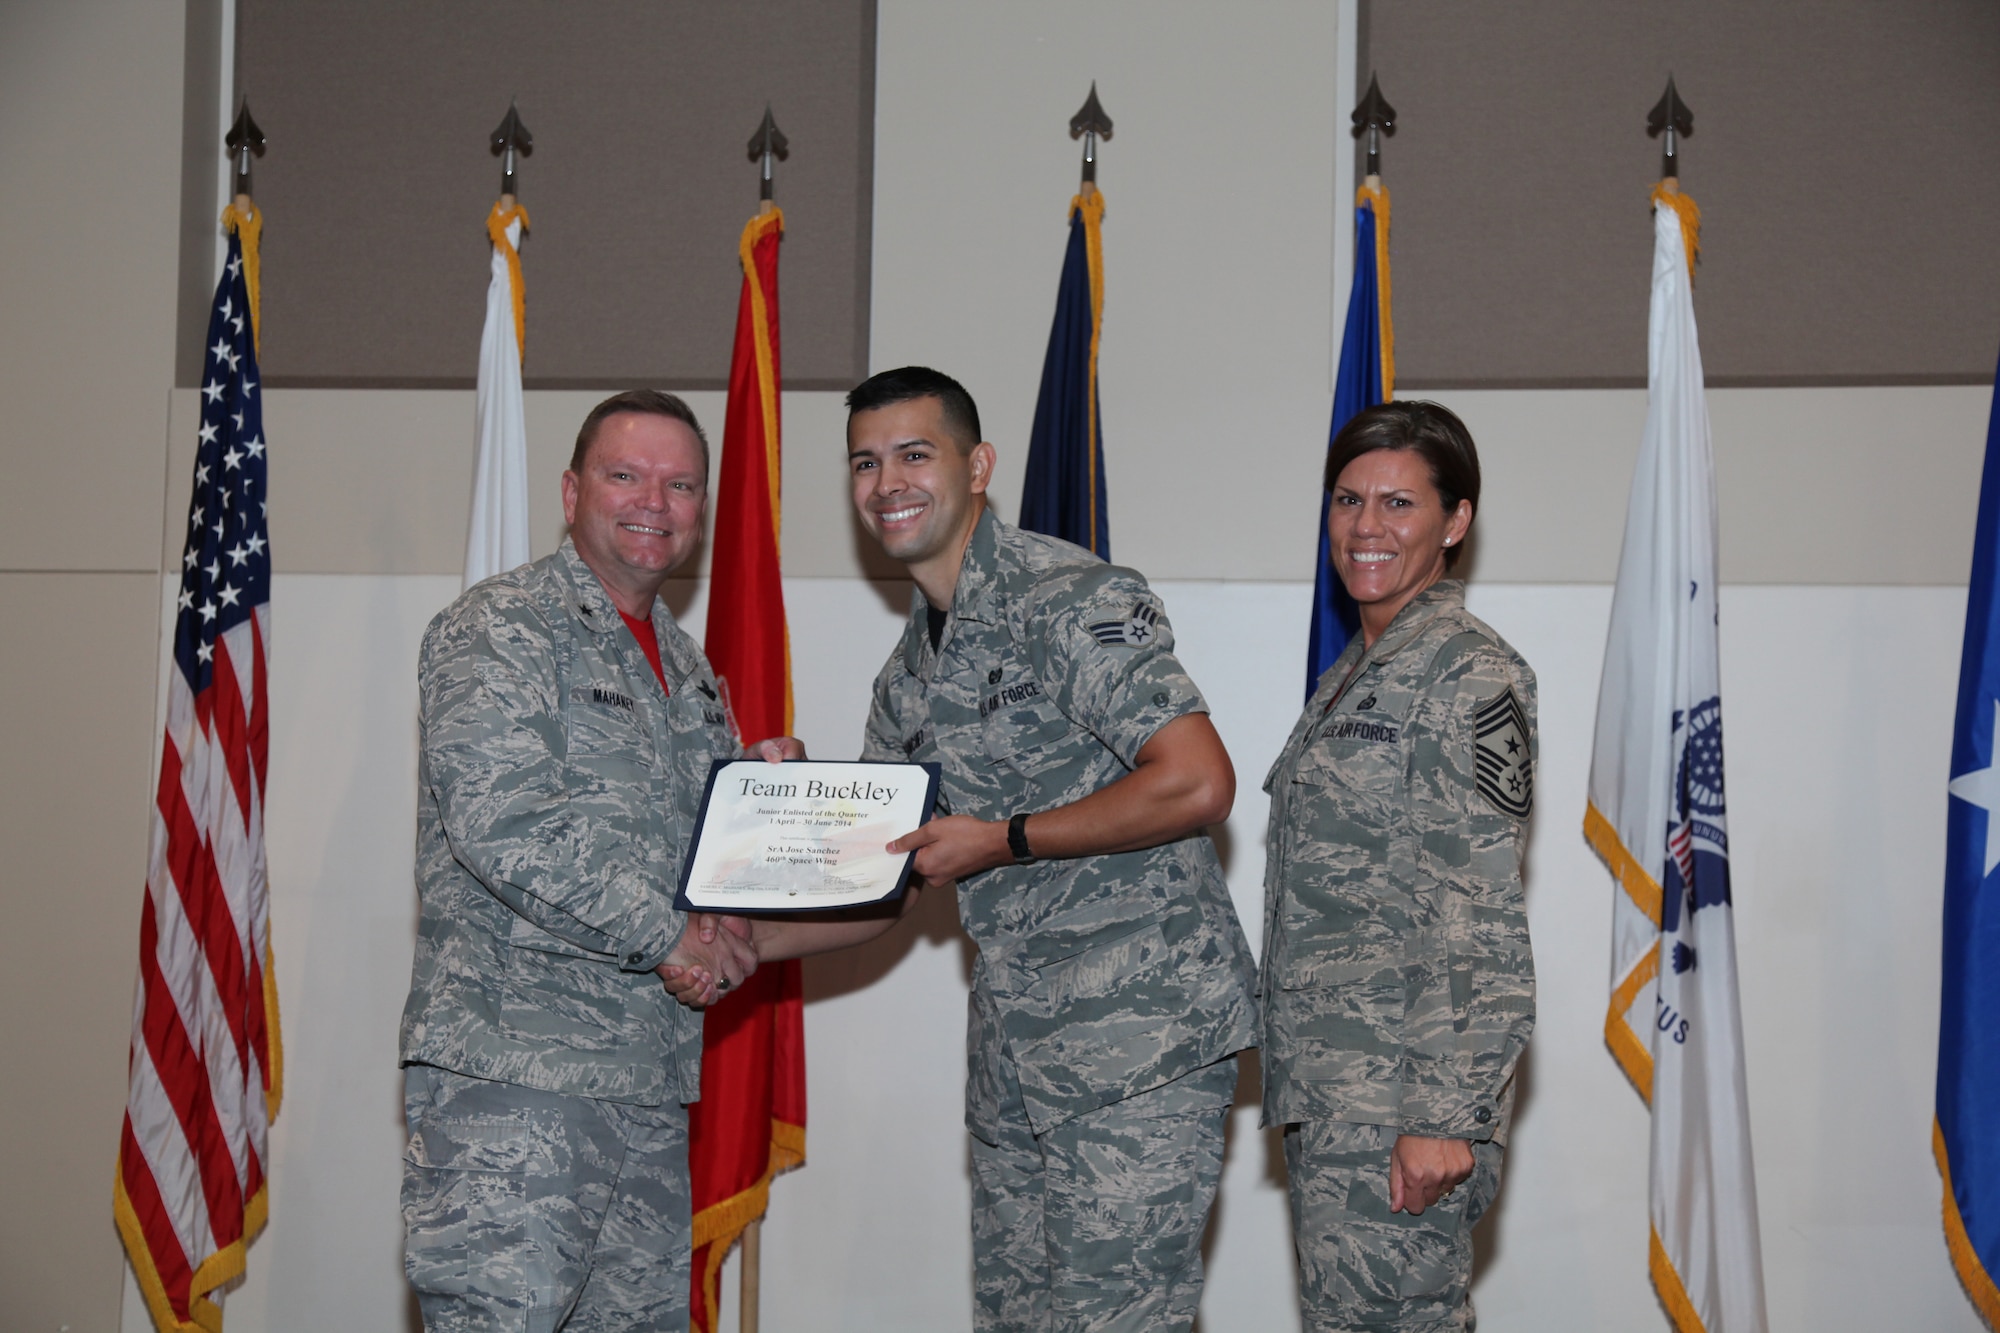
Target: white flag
(1656, 816)
(498, 538)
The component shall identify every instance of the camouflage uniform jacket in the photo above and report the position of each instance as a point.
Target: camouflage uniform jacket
(1098, 977)
(556, 791)
(1397, 983)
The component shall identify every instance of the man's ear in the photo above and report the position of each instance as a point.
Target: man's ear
(983, 458)
(569, 499)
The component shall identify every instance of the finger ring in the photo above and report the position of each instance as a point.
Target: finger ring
(722, 984)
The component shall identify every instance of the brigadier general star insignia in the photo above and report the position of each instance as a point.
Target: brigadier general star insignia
(1506, 773)
(1135, 631)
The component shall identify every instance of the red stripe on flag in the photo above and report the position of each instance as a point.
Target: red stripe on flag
(162, 1244)
(191, 866)
(230, 730)
(184, 1075)
(259, 737)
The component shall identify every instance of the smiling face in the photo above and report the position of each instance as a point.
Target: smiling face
(918, 489)
(634, 509)
(1388, 531)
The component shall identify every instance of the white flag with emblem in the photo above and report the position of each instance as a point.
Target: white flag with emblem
(497, 540)
(1657, 817)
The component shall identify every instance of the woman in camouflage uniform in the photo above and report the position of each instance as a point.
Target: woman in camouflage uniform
(1397, 982)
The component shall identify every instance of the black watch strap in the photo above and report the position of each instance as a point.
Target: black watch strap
(1017, 839)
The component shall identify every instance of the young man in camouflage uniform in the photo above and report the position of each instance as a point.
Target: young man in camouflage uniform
(1113, 984)
(562, 763)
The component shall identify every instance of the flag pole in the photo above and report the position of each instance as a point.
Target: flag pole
(767, 144)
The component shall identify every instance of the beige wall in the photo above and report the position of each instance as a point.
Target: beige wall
(90, 148)
(374, 481)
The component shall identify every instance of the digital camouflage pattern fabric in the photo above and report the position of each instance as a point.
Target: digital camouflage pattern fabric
(535, 1210)
(557, 789)
(1364, 1267)
(1098, 977)
(1110, 991)
(1398, 985)
(545, 1178)
(1096, 1226)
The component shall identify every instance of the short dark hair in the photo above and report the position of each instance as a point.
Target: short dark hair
(961, 415)
(647, 402)
(1431, 431)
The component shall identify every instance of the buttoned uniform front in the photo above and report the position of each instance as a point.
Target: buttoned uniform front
(558, 786)
(1397, 981)
(1099, 979)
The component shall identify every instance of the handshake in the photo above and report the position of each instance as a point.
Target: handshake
(715, 955)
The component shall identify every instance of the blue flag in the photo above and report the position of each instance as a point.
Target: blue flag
(1358, 385)
(1063, 492)
(1968, 1077)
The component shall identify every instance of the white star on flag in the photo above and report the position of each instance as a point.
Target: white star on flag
(1981, 787)
(208, 433)
(233, 458)
(214, 390)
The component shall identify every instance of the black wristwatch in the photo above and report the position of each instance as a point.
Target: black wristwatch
(1017, 840)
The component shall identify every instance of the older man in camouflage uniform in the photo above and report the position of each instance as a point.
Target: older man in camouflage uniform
(563, 759)
(1113, 983)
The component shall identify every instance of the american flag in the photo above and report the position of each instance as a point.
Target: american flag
(192, 1161)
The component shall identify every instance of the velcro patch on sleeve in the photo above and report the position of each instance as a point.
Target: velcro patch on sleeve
(1506, 771)
(1134, 631)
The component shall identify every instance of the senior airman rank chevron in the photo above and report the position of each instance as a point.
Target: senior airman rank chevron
(1135, 631)
(1656, 816)
(206, 1065)
(1968, 1069)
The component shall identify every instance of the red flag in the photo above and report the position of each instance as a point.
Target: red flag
(190, 1188)
(750, 1123)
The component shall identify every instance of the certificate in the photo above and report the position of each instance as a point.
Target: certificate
(805, 835)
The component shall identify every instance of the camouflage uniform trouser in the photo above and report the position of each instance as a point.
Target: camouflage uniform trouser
(531, 1210)
(1096, 1226)
(1362, 1266)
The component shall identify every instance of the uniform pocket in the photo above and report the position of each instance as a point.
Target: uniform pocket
(519, 1143)
(1101, 969)
(1373, 767)
(1030, 738)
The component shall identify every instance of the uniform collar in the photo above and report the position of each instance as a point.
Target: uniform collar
(597, 612)
(974, 597)
(1442, 596)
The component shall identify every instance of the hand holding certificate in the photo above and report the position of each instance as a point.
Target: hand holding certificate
(807, 835)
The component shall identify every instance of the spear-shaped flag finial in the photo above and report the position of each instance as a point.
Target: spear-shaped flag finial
(243, 140)
(1375, 118)
(511, 142)
(1089, 124)
(768, 142)
(1669, 121)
